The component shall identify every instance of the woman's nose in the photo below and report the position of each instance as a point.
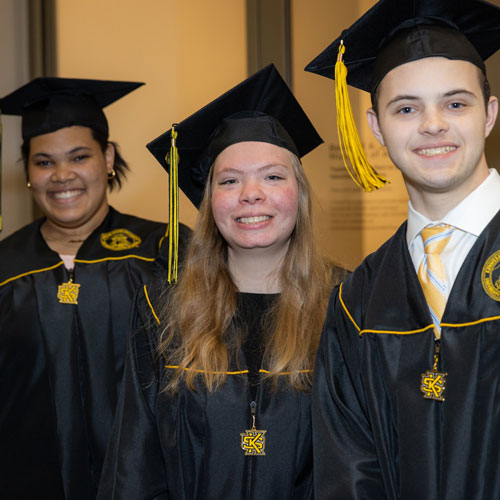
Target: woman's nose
(62, 172)
(252, 192)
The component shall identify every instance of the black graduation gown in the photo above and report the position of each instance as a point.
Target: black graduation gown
(187, 446)
(375, 436)
(61, 364)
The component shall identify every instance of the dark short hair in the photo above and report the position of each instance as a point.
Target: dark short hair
(120, 166)
(483, 82)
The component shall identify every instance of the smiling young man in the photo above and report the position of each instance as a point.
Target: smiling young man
(406, 402)
(433, 119)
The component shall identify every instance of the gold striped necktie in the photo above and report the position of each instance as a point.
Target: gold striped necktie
(431, 273)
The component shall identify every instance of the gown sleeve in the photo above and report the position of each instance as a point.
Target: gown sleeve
(345, 460)
(134, 468)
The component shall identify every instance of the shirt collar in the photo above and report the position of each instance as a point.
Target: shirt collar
(471, 215)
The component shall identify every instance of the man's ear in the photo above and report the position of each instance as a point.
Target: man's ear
(374, 125)
(491, 114)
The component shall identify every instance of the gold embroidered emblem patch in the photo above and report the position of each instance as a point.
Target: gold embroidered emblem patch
(490, 276)
(120, 239)
(433, 384)
(253, 442)
(67, 293)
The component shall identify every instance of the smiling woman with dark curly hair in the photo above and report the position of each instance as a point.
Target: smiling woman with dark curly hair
(66, 285)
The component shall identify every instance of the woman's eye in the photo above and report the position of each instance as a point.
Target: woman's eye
(43, 163)
(227, 181)
(274, 177)
(80, 158)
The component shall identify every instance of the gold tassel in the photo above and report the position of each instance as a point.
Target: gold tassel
(173, 205)
(361, 172)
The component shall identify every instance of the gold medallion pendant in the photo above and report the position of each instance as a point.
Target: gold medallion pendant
(433, 382)
(253, 441)
(67, 293)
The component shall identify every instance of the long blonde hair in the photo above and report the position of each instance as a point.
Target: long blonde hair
(198, 314)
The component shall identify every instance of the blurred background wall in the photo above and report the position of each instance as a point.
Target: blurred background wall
(17, 208)
(188, 52)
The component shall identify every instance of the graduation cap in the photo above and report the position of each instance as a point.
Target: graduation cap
(395, 32)
(48, 104)
(261, 108)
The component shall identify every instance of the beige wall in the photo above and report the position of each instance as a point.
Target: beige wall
(188, 52)
(351, 223)
(312, 30)
(493, 141)
(16, 200)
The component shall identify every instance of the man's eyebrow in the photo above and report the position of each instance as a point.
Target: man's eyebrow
(405, 97)
(459, 91)
(451, 93)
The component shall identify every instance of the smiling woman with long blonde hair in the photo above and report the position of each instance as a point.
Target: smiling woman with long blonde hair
(216, 398)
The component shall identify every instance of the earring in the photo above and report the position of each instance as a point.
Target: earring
(111, 175)
(28, 184)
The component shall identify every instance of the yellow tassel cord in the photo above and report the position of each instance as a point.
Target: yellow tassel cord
(361, 172)
(173, 205)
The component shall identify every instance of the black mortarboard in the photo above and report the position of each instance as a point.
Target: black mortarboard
(261, 108)
(48, 104)
(394, 32)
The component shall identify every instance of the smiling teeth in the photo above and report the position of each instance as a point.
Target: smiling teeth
(253, 220)
(67, 194)
(436, 151)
